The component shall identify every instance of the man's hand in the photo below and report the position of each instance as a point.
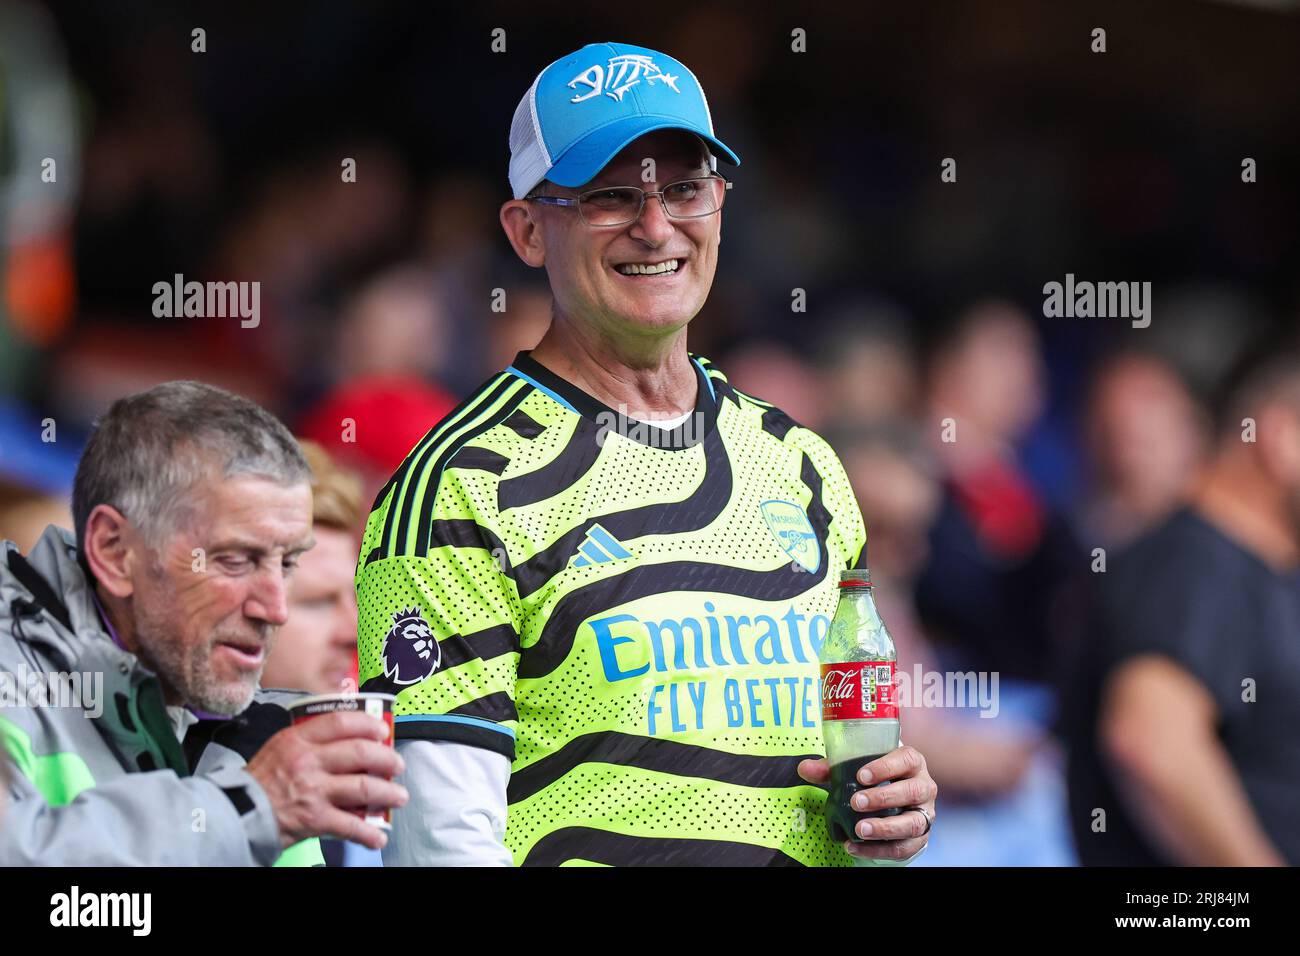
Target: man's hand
(317, 771)
(888, 838)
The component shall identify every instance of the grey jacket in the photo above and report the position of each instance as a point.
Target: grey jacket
(101, 778)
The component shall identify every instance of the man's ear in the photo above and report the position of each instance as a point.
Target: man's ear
(110, 547)
(524, 232)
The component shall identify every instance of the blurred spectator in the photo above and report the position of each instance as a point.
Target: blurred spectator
(1183, 726)
(987, 375)
(520, 326)
(895, 480)
(459, 243)
(38, 458)
(153, 171)
(370, 425)
(999, 557)
(898, 492)
(24, 515)
(396, 326)
(304, 226)
(316, 648)
(1002, 777)
(1203, 329)
(866, 366)
(781, 376)
(394, 338)
(1147, 438)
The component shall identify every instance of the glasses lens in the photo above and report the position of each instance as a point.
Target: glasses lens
(606, 207)
(692, 198)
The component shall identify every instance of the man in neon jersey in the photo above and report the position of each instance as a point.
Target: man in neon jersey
(598, 586)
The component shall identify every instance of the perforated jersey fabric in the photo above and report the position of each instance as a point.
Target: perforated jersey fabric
(631, 615)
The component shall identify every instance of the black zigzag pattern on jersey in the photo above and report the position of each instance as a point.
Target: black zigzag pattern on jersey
(751, 399)
(498, 707)
(574, 461)
(400, 474)
(710, 369)
(778, 423)
(467, 533)
(774, 421)
(619, 849)
(431, 488)
(524, 425)
(722, 388)
(458, 649)
(478, 645)
(697, 511)
(476, 458)
(654, 753)
(488, 393)
(781, 584)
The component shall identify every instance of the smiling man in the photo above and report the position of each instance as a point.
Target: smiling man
(192, 507)
(627, 564)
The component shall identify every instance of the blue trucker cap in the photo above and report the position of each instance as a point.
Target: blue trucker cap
(585, 107)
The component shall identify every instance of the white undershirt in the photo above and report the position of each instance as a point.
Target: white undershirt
(668, 424)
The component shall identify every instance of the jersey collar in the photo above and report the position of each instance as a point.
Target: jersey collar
(687, 435)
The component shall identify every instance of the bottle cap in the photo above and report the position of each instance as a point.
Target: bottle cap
(855, 578)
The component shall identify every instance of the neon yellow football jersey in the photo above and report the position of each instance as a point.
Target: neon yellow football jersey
(631, 614)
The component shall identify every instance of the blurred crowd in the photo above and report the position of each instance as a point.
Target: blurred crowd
(997, 456)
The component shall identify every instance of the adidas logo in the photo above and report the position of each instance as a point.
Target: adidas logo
(599, 547)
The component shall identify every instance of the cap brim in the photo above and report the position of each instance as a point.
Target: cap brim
(584, 159)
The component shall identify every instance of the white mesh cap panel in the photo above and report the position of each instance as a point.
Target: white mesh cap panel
(708, 115)
(529, 160)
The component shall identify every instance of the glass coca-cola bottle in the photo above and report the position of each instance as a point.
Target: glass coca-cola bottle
(859, 703)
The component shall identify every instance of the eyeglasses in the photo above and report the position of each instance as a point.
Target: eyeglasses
(619, 205)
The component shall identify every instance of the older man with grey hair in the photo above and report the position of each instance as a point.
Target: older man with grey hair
(124, 648)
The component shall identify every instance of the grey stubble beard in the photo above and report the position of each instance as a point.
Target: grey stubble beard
(189, 673)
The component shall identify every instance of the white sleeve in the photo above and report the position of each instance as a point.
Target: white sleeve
(457, 812)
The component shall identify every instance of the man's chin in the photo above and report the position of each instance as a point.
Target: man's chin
(646, 319)
(226, 699)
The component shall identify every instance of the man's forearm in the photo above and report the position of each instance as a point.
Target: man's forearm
(1190, 802)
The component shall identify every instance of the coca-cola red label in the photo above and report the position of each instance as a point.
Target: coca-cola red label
(859, 690)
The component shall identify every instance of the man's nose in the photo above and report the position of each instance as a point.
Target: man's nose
(269, 600)
(654, 226)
